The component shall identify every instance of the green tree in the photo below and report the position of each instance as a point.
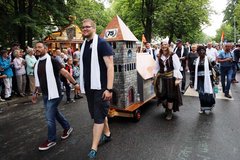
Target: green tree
(94, 10)
(25, 19)
(231, 19)
(173, 18)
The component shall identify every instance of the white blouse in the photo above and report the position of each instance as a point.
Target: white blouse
(176, 66)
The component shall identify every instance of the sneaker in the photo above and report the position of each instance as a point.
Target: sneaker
(46, 145)
(92, 154)
(201, 112)
(104, 139)
(2, 100)
(8, 98)
(228, 96)
(66, 133)
(78, 97)
(70, 101)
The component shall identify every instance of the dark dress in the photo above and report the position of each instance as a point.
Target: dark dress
(165, 87)
(207, 100)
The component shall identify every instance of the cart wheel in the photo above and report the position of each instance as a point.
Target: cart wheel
(137, 115)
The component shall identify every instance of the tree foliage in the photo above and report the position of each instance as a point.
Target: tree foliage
(173, 18)
(23, 20)
(231, 18)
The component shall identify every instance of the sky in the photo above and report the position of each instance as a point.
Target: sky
(216, 19)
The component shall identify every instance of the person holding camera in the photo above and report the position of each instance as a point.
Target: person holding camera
(225, 58)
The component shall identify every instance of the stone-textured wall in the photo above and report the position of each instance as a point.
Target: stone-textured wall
(126, 79)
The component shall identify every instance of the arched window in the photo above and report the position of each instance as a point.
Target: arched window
(131, 95)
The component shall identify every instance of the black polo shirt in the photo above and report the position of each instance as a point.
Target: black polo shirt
(104, 49)
(43, 76)
(185, 53)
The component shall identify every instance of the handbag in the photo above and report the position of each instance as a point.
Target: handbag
(207, 99)
(216, 70)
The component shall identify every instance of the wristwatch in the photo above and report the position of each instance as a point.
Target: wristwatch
(75, 83)
(109, 90)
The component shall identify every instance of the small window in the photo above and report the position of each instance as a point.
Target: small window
(114, 45)
(119, 68)
(115, 68)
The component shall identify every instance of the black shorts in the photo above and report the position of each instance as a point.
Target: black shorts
(98, 108)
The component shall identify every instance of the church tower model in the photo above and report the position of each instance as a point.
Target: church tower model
(123, 42)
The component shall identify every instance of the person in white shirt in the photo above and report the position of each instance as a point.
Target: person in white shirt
(20, 71)
(211, 52)
(30, 61)
(150, 50)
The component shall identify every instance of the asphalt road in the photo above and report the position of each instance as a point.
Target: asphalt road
(189, 136)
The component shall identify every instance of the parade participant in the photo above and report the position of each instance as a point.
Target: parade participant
(211, 52)
(46, 72)
(30, 61)
(96, 80)
(225, 58)
(150, 50)
(182, 53)
(168, 79)
(204, 80)
(236, 55)
(190, 59)
(6, 70)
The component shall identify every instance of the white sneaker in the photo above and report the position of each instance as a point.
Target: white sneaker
(2, 100)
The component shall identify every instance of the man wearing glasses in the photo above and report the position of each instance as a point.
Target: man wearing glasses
(96, 81)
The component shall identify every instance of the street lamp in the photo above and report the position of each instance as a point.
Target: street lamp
(235, 31)
(234, 24)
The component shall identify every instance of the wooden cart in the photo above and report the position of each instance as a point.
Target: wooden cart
(132, 111)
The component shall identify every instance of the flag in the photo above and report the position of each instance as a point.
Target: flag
(143, 41)
(222, 37)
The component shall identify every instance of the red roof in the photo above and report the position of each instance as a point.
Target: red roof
(117, 30)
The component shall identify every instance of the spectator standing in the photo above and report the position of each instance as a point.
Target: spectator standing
(76, 76)
(66, 82)
(30, 62)
(20, 71)
(5, 64)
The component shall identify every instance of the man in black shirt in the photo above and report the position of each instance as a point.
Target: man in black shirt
(96, 80)
(236, 56)
(47, 76)
(182, 53)
(190, 59)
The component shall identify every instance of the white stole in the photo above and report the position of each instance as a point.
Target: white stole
(182, 50)
(207, 79)
(51, 80)
(95, 68)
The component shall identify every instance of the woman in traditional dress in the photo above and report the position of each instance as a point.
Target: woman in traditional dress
(167, 80)
(204, 80)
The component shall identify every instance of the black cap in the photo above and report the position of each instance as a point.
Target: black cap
(178, 41)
